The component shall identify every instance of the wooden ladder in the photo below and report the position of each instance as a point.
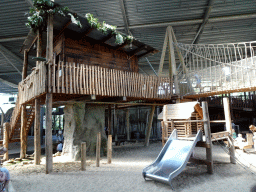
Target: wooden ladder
(14, 135)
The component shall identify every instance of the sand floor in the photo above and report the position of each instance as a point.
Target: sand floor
(125, 174)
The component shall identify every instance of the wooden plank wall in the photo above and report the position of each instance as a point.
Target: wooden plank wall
(80, 51)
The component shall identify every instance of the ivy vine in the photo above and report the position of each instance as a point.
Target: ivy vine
(105, 28)
(38, 15)
(41, 9)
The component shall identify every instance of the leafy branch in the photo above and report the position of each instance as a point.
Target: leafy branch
(106, 28)
(38, 14)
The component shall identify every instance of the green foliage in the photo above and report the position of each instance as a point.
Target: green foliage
(106, 28)
(42, 8)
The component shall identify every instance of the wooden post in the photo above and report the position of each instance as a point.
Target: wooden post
(6, 128)
(23, 134)
(48, 133)
(160, 69)
(109, 152)
(98, 144)
(49, 47)
(39, 44)
(83, 156)
(127, 114)
(115, 123)
(229, 129)
(150, 120)
(37, 141)
(25, 64)
(207, 131)
(109, 120)
(172, 64)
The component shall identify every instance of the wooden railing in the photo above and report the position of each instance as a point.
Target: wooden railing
(73, 78)
(34, 84)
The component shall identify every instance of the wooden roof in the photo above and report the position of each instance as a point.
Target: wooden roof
(182, 110)
(92, 35)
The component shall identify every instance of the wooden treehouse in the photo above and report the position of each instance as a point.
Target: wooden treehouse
(185, 117)
(82, 64)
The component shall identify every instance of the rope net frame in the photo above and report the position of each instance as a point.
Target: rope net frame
(217, 68)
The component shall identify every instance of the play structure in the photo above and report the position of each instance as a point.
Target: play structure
(79, 64)
(178, 146)
(204, 70)
(184, 117)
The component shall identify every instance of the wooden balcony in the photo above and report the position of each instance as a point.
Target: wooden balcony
(73, 80)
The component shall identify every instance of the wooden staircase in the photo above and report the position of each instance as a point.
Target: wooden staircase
(14, 133)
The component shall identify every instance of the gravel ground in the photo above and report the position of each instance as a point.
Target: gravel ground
(125, 174)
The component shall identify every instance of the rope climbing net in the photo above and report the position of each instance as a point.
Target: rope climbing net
(217, 68)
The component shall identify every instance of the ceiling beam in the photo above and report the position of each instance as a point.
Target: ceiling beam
(192, 22)
(3, 50)
(126, 24)
(11, 73)
(8, 83)
(12, 39)
(206, 17)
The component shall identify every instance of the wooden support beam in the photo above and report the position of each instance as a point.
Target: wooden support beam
(25, 65)
(37, 141)
(98, 144)
(49, 46)
(23, 135)
(172, 62)
(127, 117)
(229, 128)
(109, 149)
(83, 156)
(48, 133)
(6, 128)
(149, 128)
(48, 100)
(109, 120)
(39, 45)
(160, 69)
(207, 131)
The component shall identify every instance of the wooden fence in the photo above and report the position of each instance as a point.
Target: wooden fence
(73, 78)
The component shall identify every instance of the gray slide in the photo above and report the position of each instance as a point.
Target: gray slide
(172, 159)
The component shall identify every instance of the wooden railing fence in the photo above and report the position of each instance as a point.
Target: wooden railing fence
(74, 78)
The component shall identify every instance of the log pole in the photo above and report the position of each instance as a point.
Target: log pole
(150, 121)
(229, 128)
(207, 130)
(83, 156)
(6, 139)
(23, 135)
(37, 141)
(109, 152)
(98, 144)
(48, 133)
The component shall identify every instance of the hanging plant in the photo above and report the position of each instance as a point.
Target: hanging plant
(105, 28)
(41, 9)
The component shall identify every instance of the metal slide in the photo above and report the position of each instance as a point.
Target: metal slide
(172, 159)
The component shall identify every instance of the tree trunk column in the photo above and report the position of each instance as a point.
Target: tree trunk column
(37, 142)
(48, 133)
(23, 135)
